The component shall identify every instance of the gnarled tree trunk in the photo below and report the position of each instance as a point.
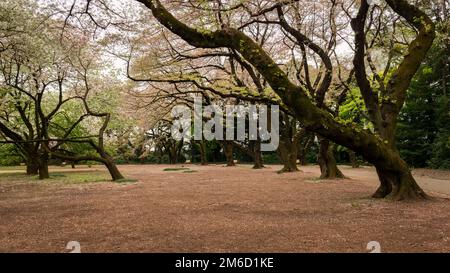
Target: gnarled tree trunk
(397, 183)
(327, 162)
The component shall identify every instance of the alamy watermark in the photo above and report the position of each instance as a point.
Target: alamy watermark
(227, 124)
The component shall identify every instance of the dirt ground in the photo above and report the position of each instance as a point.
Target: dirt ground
(219, 209)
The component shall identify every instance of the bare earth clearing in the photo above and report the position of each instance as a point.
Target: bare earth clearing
(219, 209)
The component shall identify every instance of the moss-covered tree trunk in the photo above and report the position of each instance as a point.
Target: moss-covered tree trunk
(397, 183)
(327, 162)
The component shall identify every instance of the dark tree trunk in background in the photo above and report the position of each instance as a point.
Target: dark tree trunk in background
(301, 155)
(289, 141)
(160, 155)
(33, 165)
(303, 147)
(173, 156)
(228, 151)
(353, 159)
(287, 151)
(327, 162)
(43, 167)
(289, 159)
(203, 159)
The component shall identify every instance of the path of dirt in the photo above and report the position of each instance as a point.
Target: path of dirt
(219, 209)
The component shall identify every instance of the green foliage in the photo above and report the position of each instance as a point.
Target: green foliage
(441, 145)
(424, 123)
(353, 109)
(271, 158)
(68, 178)
(9, 156)
(417, 127)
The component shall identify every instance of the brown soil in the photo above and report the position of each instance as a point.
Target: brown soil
(221, 209)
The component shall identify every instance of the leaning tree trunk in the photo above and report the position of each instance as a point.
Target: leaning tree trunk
(228, 151)
(327, 162)
(112, 168)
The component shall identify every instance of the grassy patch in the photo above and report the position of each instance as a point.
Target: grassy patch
(58, 177)
(175, 169)
(125, 180)
(190, 171)
(315, 180)
(77, 177)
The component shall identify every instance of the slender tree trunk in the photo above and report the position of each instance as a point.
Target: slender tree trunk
(203, 152)
(160, 155)
(228, 151)
(303, 148)
(327, 162)
(173, 156)
(258, 155)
